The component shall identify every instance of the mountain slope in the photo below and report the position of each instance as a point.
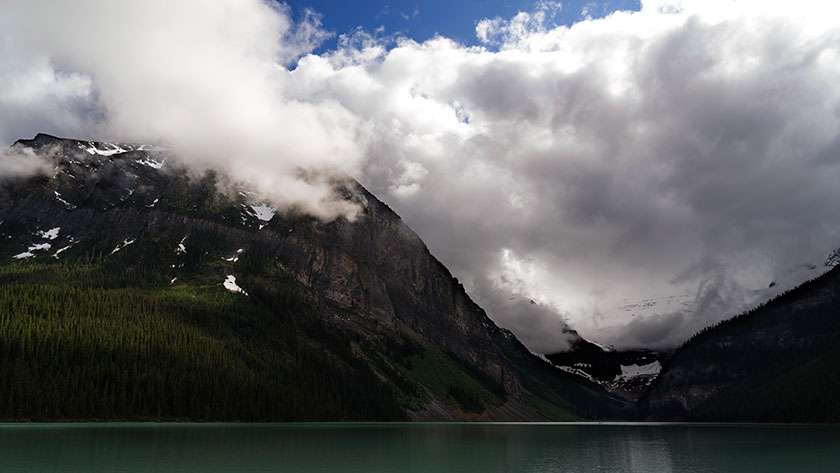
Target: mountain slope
(626, 373)
(779, 362)
(300, 313)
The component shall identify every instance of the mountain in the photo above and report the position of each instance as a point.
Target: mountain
(777, 363)
(629, 373)
(132, 289)
(626, 373)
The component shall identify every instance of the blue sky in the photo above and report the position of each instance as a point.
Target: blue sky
(421, 20)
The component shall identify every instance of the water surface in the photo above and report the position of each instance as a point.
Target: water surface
(462, 448)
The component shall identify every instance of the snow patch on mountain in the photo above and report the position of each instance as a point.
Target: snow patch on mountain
(32, 248)
(111, 149)
(152, 163)
(60, 250)
(50, 234)
(234, 258)
(66, 204)
(579, 372)
(261, 212)
(122, 245)
(230, 285)
(152, 148)
(629, 372)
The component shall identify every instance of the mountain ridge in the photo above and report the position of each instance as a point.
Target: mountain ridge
(374, 281)
(775, 363)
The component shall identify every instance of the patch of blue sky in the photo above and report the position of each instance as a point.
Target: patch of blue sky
(454, 19)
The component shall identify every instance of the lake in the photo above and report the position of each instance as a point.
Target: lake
(462, 448)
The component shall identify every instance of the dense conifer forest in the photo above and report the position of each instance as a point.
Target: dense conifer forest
(98, 336)
(79, 341)
(779, 362)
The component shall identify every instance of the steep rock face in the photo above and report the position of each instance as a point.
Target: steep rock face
(372, 277)
(376, 274)
(778, 362)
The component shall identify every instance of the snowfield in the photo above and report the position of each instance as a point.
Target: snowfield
(629, 372)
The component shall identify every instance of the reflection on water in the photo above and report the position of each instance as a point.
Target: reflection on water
(612, 448)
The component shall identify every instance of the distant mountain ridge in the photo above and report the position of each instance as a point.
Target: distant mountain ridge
(627, 373)
(779, 362)
(125, 223)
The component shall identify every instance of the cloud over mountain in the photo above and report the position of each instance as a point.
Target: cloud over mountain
(207, 78)
(689, 147)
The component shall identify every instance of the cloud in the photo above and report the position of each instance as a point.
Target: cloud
(207, 78)
(691, 147)
(508, 33)
(19, 161)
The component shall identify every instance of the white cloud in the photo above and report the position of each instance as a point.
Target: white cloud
(511, 33)
(689, 147)
(19, 161)
(208, 78)
(615, 155)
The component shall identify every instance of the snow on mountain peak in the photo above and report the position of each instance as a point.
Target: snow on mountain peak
(111, 149)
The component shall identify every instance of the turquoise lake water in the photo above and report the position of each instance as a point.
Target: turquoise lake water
(462, 448)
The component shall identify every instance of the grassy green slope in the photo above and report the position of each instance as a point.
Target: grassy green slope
(417, 368)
